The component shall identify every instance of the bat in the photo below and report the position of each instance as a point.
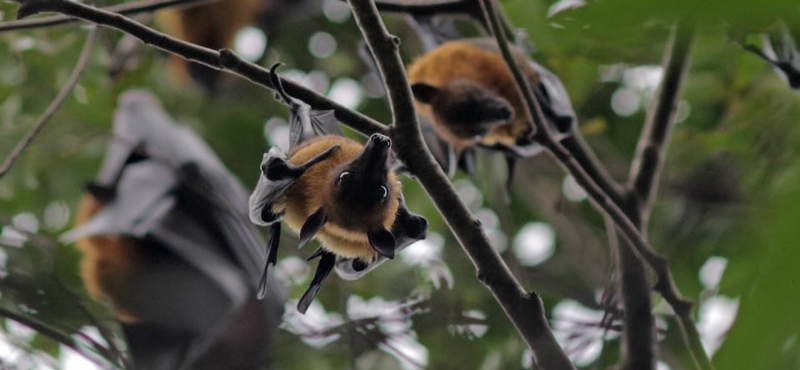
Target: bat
(336, 190)
(467, 93)
(166, 241)
(215, 26)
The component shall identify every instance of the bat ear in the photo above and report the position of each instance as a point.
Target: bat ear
(425, 93)
(382, 241)
(313, 224)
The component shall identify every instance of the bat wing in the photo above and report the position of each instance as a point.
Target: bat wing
(434, 30)
(277, 174)
(304, 122)
(442, 151)
(554, 100)
(408, 228)
(780, 50)
(148, 208)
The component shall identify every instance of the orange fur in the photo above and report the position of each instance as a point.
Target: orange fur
(467, 60)
(309, 194)
(212, 25)
(108, 261)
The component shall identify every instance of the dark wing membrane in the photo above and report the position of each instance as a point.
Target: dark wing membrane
(441, 150)
(408, 228)
(781, 50)
(218, 200)
(304, 122)
(434, 30)
(554, 100)
(307, 123)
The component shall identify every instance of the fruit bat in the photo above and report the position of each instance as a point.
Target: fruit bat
(215, 25)
(467, 93)
(167, 242)
(335, 190)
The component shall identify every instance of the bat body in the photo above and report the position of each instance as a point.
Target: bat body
(465, 91)
(215, 26)
(348, 222)
(166, 242)
(337, 191)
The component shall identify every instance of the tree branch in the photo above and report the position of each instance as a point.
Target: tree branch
(80, 66)
(127, 9)
(638, 350)
(631, 232)
(53, 333)
(646, 172)
(225, 60)
(649, 160)
(524, 309)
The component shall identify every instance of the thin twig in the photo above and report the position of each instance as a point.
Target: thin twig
(524, 309)
(127, 9)
(225, 59)
(646, 172)
(587, 159)
(53, 333)
(83, 60)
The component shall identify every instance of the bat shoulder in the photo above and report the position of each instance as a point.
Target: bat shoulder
(348, 149)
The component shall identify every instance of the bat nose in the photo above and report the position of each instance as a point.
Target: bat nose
(381, 140)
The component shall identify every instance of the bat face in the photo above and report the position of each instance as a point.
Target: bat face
(473, 94)
(463, 110)
(360, 190)
(348, 201)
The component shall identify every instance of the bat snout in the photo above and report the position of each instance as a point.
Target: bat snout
(380, 140)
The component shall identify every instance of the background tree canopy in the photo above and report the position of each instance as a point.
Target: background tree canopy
(725, 215)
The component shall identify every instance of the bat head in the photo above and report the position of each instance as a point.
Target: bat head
(465, 108)
(360, 190)
(361, 195)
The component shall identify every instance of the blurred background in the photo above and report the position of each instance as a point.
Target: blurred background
(726, 214)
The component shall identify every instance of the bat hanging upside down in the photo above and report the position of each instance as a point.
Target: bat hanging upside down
(336, 190)
(465, 91)
(166, 241)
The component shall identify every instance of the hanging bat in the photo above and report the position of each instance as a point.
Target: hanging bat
(467, 93)
(335, 190)
(215, 26)
(166, 241)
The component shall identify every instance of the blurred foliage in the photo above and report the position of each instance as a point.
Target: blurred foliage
(725, 215)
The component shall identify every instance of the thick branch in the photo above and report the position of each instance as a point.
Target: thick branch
(225, 59)
(649, 160)
(646, 172)
(628, 229)
(127, 9)
(525, 310)
(633, 291)
(80, 66)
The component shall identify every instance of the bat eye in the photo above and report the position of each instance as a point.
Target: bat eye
(343, 176)
(384, 193)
